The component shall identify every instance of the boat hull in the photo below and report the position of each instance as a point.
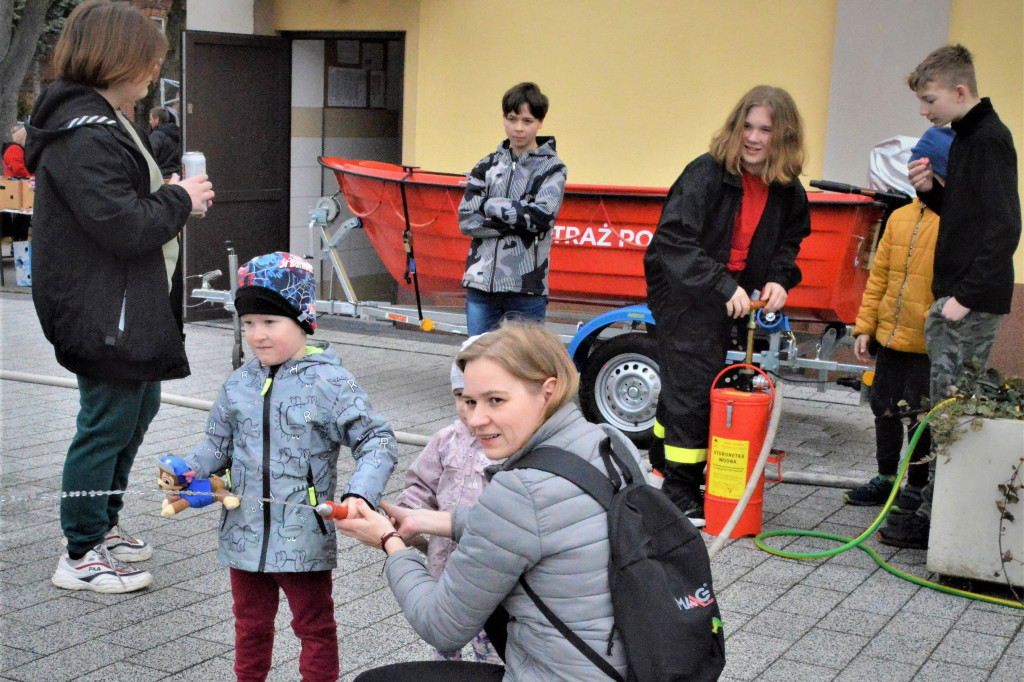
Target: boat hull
(599, 238)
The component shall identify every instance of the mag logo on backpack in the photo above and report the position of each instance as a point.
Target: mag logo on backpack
(659, 573)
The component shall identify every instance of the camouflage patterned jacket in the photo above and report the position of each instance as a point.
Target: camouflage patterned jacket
(509, 209)
(280, 436)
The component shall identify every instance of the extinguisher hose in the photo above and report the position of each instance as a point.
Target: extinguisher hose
(755, 476)
(848, 543)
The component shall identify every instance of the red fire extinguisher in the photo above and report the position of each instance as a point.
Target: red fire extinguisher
(739, 423)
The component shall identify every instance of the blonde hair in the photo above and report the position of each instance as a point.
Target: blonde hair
(949, 66)
(530, 353)
(786, 149)
(107, 43)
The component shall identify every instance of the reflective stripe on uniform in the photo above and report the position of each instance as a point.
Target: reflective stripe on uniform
(685, 455)
(659, 430)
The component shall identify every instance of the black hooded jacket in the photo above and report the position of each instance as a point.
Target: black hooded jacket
(99, 278)
(686, 260)
(166, 143)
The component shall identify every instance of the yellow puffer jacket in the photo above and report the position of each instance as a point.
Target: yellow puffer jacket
(899, 289)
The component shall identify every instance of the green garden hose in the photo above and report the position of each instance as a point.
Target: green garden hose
(848, 543)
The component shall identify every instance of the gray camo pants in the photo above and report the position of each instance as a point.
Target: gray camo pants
(950, 345)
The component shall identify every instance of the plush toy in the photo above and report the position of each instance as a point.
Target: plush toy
(178, 480)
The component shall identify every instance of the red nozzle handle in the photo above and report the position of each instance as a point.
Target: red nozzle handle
(331, 510)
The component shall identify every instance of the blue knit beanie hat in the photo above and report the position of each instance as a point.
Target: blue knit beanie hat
(934, 146)
(278, 284)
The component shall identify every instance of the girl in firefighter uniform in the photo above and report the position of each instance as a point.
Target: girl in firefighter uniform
(729, 233)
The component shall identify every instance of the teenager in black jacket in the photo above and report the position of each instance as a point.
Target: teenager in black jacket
(105, 243)
(979, 230)
(731, 227)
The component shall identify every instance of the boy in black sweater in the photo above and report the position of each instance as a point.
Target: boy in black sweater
(979, 228)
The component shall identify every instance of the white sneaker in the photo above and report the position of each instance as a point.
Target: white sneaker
(100, 572)
(124, 547)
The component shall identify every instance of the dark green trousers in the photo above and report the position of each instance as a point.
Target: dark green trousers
(112, 421)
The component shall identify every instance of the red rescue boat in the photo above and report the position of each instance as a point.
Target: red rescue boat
(599, 237)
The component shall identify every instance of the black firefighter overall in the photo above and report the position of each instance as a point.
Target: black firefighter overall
(688, 285)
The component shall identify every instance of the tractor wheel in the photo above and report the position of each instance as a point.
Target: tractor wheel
(620, 385)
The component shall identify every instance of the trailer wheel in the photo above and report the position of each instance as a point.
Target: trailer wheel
(620, 385)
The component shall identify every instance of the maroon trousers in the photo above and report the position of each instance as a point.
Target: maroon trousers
(256, 599)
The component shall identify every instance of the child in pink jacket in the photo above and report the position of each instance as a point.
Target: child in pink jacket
(449, 473)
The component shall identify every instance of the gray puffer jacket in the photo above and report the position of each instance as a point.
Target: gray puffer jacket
(531, 523)
(280, 437)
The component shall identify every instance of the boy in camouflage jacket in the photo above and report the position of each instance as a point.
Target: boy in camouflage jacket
(512, 199)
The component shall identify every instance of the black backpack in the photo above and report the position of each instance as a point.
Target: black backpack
(658, 570)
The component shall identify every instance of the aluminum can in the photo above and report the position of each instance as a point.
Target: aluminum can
(194, 163)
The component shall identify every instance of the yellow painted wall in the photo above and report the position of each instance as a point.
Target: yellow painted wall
(637, 89)
(993, 30)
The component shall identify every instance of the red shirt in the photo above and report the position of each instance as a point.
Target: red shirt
(14, 162)
(755, 196)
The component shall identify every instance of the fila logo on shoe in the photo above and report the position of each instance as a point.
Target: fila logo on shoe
(701, 597)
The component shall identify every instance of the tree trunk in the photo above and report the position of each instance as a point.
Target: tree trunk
(17, 48)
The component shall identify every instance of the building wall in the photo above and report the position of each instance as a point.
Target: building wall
(348, 133)
(224, 16)
(877, 43)
(364, 15)
(993, 30)
(637, 89)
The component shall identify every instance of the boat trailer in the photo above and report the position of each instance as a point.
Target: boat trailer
(615, 354)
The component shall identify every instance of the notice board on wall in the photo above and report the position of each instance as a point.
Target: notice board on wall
(357, 74)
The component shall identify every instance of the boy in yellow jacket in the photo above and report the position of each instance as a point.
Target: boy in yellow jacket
(892, 315)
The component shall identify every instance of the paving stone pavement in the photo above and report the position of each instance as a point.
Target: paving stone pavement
(837, 619)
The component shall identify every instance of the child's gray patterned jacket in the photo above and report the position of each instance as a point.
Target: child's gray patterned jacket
(280, 436)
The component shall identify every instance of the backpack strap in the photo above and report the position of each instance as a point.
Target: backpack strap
(573, 638)
(572, 468)
(590, 480)
(607, 456)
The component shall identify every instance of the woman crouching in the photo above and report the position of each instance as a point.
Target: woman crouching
(519, 388)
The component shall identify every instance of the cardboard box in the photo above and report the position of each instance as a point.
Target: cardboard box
(23, 264)
(28, 194)
(10, 193)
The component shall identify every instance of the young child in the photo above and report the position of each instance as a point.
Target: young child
(979, 228)
(449, 473)
(892, 313)
(511, 201)
(277, 426)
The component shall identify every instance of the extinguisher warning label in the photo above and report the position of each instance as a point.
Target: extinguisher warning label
(727, 467)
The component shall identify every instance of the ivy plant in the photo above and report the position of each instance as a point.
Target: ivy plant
(977, 396)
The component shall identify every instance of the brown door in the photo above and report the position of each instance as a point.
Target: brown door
(236, 107)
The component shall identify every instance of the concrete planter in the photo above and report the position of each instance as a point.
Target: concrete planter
(964, 538)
